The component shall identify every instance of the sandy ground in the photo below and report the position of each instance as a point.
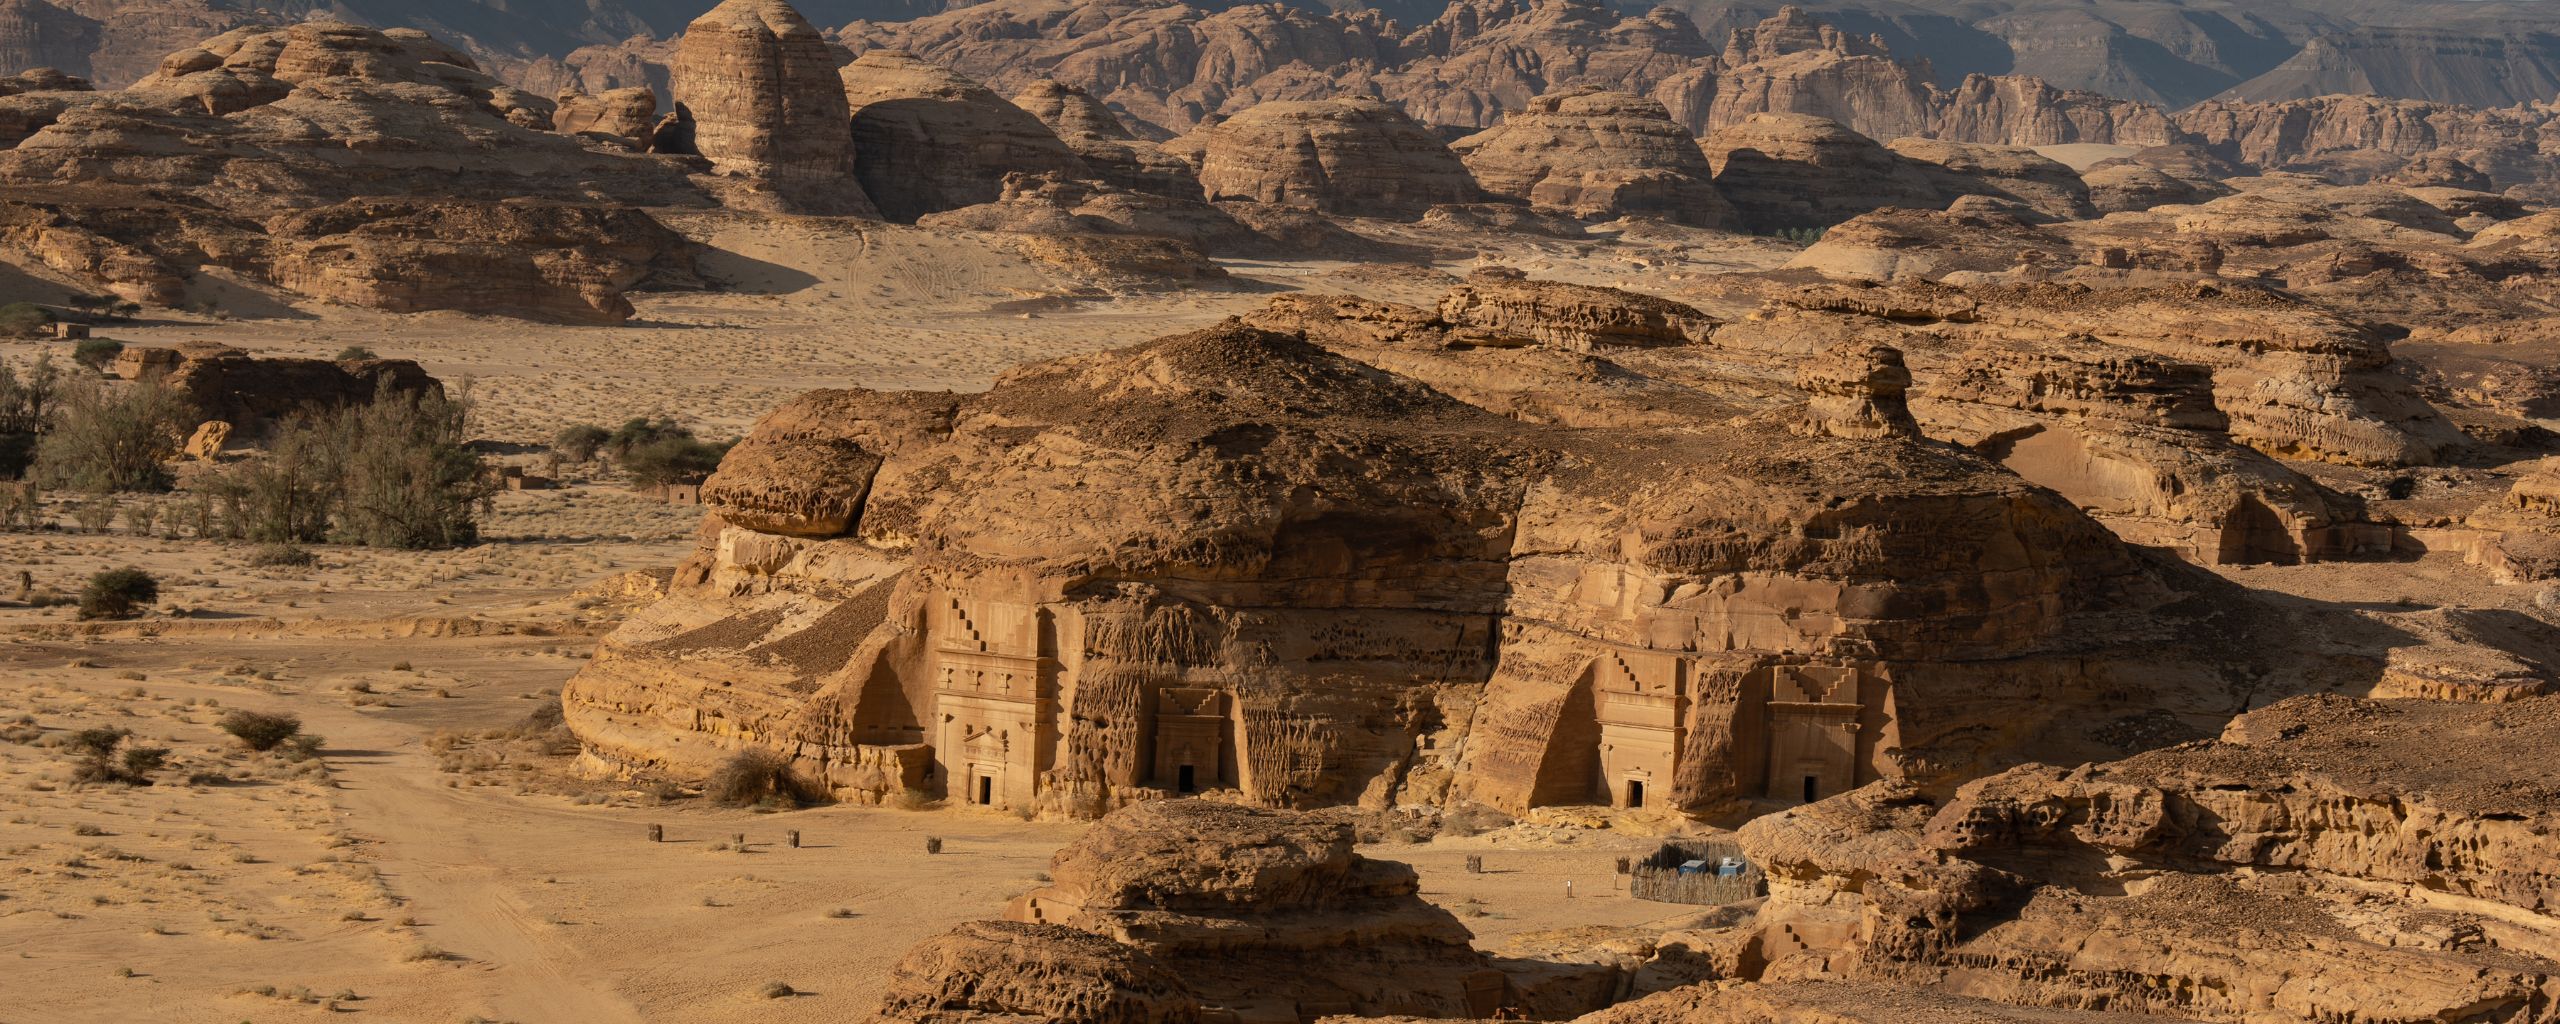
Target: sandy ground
(429, 865)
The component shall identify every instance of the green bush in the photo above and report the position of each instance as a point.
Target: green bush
(113, 437)
(641, 430)
(24, 320)
(259, 730)
(118, 594)
(96, 353)
(390, 473)
(355, 353)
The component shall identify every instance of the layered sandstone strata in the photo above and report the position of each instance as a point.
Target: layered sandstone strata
(1786, 171)
(1352, 157)
(627, 114)
(756, 91)
(927, 139)
(1598, 155)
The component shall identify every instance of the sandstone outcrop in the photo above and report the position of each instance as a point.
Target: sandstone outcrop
(1265, 914)
(1598, 155)
(2412, 885)
(2005, 172)
(1051, 205)
(1798, 171)
(1358, 158)
(957, 634)
(233, 390)
(2362, 137)
(756, 93)
(927, 139)
(1005, 970)
(252, 150)
(1505, 304)
(1116, 155)
(628, 114)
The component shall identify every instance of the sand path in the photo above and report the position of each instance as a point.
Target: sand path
(432, 852)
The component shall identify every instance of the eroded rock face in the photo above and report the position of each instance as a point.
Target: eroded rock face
(1072, 661)
(1006, 970)
(240, 391)
(628, 114)
(250, 150)
(1598, 155)
(1358, 158)
(1503, 303)
(1799, 171)
(2357, 138)
(1115, 155)
(2012, 173)
(927, 139)
(755, 88)
(2411, 885)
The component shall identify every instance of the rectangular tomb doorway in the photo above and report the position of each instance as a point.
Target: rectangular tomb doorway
(1812, 788)
(1187, 780)
(986, 791)
(1635, 794)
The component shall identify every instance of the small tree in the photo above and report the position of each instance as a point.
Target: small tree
(118, 594)
(580, 442)
(356, 353)
(402, 473)
(96, 353)
(113, 438)
(672, 460)
(641, 430)
(259, 730)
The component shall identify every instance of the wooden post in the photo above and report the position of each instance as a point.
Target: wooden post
(1475, 863)
(933, 844)
(794, 837)
(657, 833)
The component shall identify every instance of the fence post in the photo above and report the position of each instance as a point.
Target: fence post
(657, 833)
(1475, 863)
(794, 837)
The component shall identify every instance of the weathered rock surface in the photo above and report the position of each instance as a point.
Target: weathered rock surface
(231, 389)
(756, 93)
(1450, 566)
(627, 114)
(1799, 171)
(1505, 304)
(1352, 157)
(1005, 970)
(1598, 155)
(927, 139)
(253, 150)
(2409, 884)
(1116, 155)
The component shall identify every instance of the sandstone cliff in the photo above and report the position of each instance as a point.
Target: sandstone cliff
(1358, 158)
(756, 93)
(1598, 155)
(927, 139)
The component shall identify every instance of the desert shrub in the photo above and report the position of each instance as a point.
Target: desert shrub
(96, 353)
(751, 777)
(96, 742)
(259, 730)
(581, 442)
(118, 594)
(1470, 819)
(284, 555)
(99, 762)
(393, 473)
(26, 410)
(672, 460)
(23, 320)
(353, 353)
(113, 438)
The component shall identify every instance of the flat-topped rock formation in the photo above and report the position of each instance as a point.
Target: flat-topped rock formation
(1598, 155)
(756, 91)
(1353, 157)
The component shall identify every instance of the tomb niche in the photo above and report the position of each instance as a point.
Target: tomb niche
(995, 699)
